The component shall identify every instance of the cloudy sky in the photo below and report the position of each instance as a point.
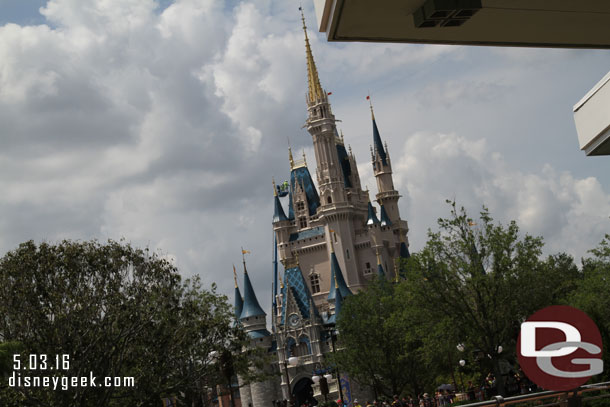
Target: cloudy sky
(163, 123)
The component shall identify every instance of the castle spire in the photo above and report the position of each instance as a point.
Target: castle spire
(379, 149)
(337, 275)
(251, 306)
(338, 302)
(315, 89)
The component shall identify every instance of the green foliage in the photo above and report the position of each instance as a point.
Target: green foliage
(593, 295)
(379, 345)
(473, 283)
(7, 350)
(484, 279)
(117, 311)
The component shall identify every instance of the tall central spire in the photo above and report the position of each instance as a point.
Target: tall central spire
(315, 89)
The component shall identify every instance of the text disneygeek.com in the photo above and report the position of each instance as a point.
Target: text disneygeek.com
(57, 364)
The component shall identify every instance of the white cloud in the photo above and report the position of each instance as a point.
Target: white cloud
(164, 127)
(570, 213)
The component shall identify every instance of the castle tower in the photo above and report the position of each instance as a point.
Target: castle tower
(386, 196)
(254, 321)
(330, 239)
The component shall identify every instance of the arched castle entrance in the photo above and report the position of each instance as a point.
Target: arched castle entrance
(303, 393)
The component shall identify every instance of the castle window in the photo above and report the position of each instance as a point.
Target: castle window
(329, 199)
(314, 279)
(347, 252)
(300, 349)
(367, 268)
(303, 222)
(300, 206)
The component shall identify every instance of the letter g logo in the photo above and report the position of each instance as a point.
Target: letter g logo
(552, 346)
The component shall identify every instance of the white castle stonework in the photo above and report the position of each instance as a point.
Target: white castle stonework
(330, 241)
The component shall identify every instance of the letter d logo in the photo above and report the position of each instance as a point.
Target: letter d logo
(559, 348)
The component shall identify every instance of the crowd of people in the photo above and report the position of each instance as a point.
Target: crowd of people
(515, 383)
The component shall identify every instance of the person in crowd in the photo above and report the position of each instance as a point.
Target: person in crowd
(471, 395)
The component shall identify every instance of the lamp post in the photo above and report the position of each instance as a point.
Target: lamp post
(292, 361)
(323, 382)
(333, 338)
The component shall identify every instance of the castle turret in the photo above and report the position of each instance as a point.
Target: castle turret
(386, 196)
(252, 316)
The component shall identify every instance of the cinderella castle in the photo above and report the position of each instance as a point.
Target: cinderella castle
(330, 240)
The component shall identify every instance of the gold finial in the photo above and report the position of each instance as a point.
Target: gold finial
(296, 258)
(274, 187)
(290, 157)
(315, 89)
(336, 283)
(235, 276)
(376, 250)
(243, 257)
(281, 282)
(396, 270)
(304, 158)
(371, 106)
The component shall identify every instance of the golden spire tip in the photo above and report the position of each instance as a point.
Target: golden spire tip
(371, 106)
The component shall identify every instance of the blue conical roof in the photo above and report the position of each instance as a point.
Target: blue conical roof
(372, 218)
(278, 214)
(251, 307)
(335, 270)
(239, 303)
(378, 144)
(385, 220)
(338, 302)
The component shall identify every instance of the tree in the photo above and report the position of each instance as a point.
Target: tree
(378, 345)
(593, 295)
(116, 311)
(486, 280)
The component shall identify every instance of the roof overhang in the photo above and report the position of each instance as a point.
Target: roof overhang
(593, 120)
(536, 23)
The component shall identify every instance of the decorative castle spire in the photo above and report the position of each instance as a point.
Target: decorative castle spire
(337, 280)
(372, 217)
(251, 307)
(338, 301)
(379, 149)
(315, 89)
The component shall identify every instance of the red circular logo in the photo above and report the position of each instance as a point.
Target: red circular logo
(560, 348)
